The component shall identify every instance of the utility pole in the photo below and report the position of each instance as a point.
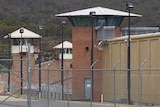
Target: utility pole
(21, 64)
(92, 15)
(39, 59)
(129, 6)
(62, 59)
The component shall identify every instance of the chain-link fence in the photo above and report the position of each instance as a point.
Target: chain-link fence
(111, 88)
(92, 85)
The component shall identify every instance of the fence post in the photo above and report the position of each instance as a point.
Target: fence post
(49, 65)
(141, 79)
(115, 66)
(92, 82)
(29, 76)
(68, 84)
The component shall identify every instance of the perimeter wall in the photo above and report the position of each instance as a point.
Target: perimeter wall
(145, 53)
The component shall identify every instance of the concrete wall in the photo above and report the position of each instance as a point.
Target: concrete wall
(142, 47)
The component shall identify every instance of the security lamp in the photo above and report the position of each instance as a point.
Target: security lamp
(63, 22)
(92, 13)
(129, 6)
(40, 27)
(9, 35)
(21, 31)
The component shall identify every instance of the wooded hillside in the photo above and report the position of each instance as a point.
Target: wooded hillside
(32, 13)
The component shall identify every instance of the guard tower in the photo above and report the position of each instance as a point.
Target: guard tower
(67, 52)
(19, 47)
(92, 28)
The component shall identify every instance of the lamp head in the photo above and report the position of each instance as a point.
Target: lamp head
(92, 13)
(9, 35)
(63, 22)
(129, 6)
(40, 27)
(21, 30)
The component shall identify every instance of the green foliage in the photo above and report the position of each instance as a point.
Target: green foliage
(32, 13)
(4, 50)
(43, 11)
(3, 70)
(51, 30)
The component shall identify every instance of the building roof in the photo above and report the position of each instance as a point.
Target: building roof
(100, 11)
(26, 34)
(66, 45)
(156, 34)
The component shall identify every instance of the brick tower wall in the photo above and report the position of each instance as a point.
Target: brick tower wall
(55, 71)
(81, 39)
(16, 69)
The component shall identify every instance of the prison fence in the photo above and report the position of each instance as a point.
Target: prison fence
(112, 86)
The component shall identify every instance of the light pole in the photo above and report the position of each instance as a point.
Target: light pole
(129, 6)
(9, 72)
(92, 15)
(40, 57)
(63, 23)
(21, 64)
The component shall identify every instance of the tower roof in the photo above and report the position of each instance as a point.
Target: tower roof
(100, 11)
(67, 45)
(26, 34)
